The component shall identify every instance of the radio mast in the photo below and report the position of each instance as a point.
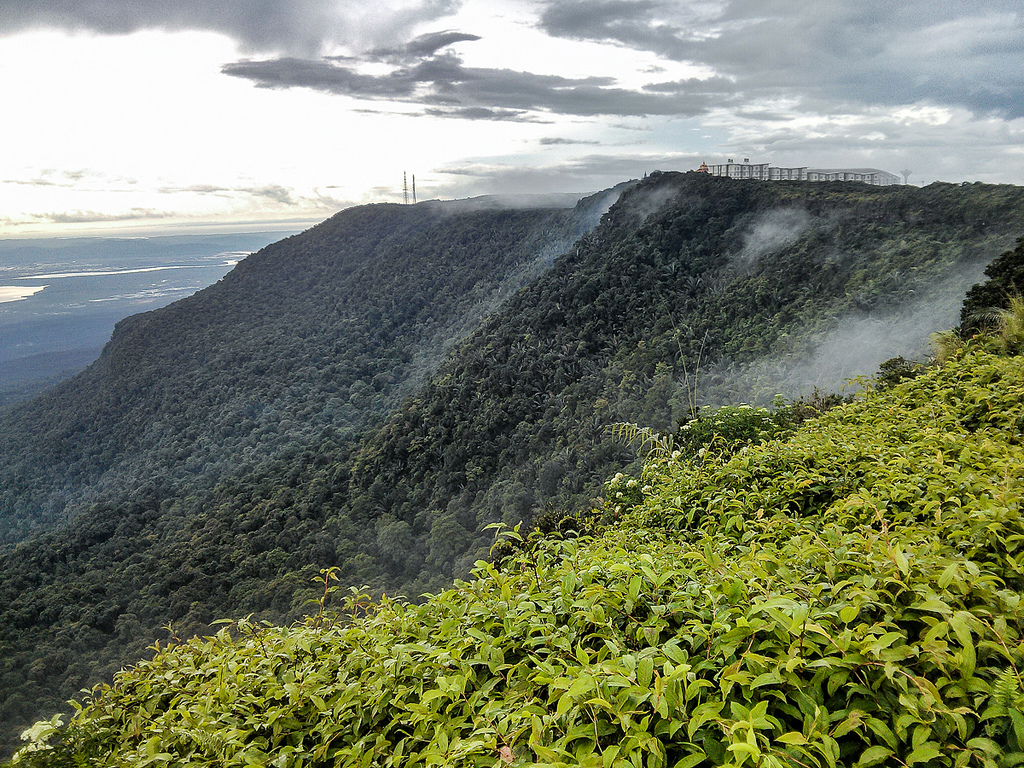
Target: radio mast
(405, 188)
(414, 189)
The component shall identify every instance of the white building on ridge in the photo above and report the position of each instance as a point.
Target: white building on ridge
(768, 172)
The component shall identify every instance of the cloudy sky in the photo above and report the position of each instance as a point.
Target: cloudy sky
(165, 115)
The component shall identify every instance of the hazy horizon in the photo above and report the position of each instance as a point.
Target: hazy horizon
(73, 291)
(163, 114)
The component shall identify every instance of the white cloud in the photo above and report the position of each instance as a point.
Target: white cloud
(123, 108)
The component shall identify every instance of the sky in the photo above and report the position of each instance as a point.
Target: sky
(156, 116)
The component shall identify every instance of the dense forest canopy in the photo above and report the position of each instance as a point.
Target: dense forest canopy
(323, 330)
(226, 448)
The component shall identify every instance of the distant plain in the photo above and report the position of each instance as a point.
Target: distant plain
(60, 298)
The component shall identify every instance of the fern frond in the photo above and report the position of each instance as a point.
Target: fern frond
(210, 744)
(1006, 689)
(1011, 326)
(647, 441)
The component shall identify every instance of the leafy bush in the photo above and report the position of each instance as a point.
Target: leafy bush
(730, 427)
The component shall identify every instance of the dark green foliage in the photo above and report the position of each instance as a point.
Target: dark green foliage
(849, 596)
(1006, 279)
(729, 428)
(807, 407)
(224, 450)
(895, 371)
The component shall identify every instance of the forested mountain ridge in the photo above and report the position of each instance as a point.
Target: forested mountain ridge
(684, 270)
(325, 329)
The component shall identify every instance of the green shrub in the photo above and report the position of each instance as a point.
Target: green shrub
(895, 371)
(730, 427)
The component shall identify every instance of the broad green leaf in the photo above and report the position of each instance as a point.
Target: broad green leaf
(963, 634)
(793, 737)
(691, 761)
(873, 756)
(927, 751)
(645, 671)
(948, 575)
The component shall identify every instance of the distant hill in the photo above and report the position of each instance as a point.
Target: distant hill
(325, 329)
(91, 283)
(373, 393)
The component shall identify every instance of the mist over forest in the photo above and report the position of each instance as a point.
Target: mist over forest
(374, 395)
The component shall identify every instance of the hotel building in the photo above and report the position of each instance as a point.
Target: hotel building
(768, 172)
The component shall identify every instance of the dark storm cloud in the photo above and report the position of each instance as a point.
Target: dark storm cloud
(296, 26)
(661, 26)
(422, 46)
(819, 56)
(322, 75)
(873, 52)
(446, 87)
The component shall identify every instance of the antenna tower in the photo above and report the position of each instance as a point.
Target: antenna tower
(414, 189)
(405, 187)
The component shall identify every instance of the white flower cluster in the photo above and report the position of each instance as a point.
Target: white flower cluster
(38, 736)
(627, 491)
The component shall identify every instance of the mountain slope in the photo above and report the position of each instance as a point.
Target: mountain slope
(324, 329)
(847, 596)
(683, 270)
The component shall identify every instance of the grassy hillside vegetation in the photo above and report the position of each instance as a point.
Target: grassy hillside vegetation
(512, 425)
(846, 595)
